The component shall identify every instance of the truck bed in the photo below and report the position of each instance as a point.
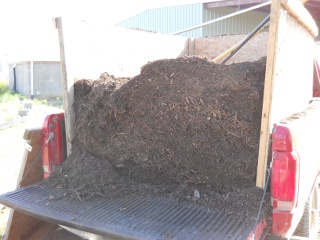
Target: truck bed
(128, 217)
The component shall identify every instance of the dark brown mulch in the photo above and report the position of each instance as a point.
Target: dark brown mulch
(181, 121)
(183, 125)
(85, 177)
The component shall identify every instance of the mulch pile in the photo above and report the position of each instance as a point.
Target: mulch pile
(181, 127)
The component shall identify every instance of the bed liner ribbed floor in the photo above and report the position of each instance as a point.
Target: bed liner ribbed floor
(129, 217)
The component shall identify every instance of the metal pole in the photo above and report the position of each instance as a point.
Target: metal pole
(261, 25)
(228, 51)
(14, 78)
(31, 80)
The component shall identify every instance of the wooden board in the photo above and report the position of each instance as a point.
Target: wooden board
(22, 226)
(302, 16)
(289, 69)
(67, 90)
(31, 170)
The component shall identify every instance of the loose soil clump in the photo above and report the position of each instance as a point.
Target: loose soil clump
(183, 125)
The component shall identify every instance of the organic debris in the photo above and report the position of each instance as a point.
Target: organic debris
(184, 127)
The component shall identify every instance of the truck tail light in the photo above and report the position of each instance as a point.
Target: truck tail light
(53, 142)
(285, 170)
(281, 139)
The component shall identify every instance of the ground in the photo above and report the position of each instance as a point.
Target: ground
(12, 145)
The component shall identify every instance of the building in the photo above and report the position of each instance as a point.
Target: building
(171, 19)
(33, 62)
(41, 79)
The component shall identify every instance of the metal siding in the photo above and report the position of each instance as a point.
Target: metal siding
(171, 19)
(168, 20)
(23, 78)
(243, 23)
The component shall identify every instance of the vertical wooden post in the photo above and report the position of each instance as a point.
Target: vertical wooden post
(67, 90)
(267, 99)
(191, 44)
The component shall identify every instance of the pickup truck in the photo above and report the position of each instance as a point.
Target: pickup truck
(292, 180)
(294, 188)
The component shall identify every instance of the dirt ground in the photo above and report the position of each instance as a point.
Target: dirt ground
(12, 148)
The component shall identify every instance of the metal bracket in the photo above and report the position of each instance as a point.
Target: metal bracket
(28, 146)
(51, 135)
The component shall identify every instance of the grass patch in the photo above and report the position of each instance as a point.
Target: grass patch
(11, 102)
(7, 96)
(41, 101)
(4, 88)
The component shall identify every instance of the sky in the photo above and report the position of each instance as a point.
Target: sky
(26, 27)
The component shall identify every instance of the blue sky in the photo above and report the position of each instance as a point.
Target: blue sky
(27, 25)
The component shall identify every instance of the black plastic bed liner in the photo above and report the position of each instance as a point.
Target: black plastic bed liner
(128, 217)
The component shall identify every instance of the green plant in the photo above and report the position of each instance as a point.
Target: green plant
(41, 101)
(7, 96)
(4, 88)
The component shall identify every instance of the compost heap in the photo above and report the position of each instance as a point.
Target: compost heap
(181, 127)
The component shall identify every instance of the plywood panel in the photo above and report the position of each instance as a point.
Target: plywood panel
(92, 48)
(89, 49)
(288, 81)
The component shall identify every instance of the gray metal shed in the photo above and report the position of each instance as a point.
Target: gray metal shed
(42, 79)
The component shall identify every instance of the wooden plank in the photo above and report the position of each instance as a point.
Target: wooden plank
(67, 90)
(191, 47)
(288, 79)
(31, 170)
(267, 98)
(22, 226)
(29, 132)
(301, 14)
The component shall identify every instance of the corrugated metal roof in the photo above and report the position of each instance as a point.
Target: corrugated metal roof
(168, 20)
(171, 19)
(313, 6)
